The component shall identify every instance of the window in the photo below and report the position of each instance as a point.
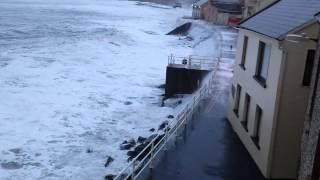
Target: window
(244, 52)
(263, 63)
(237, 101)
(256, 131)
(308, 68)
(246, 111)
(233, 89)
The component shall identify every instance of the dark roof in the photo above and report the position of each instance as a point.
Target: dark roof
(282, 17)
(227, 7)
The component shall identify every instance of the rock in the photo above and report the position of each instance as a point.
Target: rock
(89, 150)
(170, 117)
(141, 139)
(132, 154)
(126, 146)
(109, 177)
(162, 86)
(163, 125)
(150, 138)
(11, 165)
(152, 130)
(109, 160)
(127, 103)
(138, 149)
(132, 141)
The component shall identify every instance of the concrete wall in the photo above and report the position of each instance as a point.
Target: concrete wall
(183, 80)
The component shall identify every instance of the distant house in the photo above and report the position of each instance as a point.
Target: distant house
(271, 84)
(218, 12)
(199, 9)
(250, 7)
(226, 13)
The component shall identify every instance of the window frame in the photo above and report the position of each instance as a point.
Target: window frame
(308, 69)
(261, 58)
(244, 52)
(257, 127)
(236, 105)
(246, 112)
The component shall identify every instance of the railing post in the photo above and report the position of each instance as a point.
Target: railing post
(165, 138)
(133, 169)
(151, 154)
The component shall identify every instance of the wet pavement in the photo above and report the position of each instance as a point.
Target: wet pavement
(210, 150)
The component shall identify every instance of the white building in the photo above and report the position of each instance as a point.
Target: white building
(271, 83)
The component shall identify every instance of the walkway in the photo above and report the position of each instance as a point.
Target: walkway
(210, 150)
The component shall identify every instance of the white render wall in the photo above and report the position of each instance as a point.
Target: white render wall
(293, 105)
(264, 97)
(283, 102)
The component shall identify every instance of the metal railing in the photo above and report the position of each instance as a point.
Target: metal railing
(160, 142)
(193, 62)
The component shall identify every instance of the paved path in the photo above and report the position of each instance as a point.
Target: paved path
(211, 150)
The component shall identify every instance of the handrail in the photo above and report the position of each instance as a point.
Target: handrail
(193, 62)
(138, 164)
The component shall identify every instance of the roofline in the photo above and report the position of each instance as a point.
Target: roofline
(282, 37)
(257, 13)
(258, 32)
(298, 28)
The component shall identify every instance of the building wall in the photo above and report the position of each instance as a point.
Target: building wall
(266, 98)
(311, 128)
(293, 103)
(253, 6)
(211, 13)
(196, 14)
(283, 102)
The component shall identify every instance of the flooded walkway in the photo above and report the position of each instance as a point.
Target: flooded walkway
(210, 150)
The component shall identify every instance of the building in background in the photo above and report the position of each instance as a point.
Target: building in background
(226, 13)
(250, 7)
(200, 8)
(271, 85)
(218, 12)
(310, 157)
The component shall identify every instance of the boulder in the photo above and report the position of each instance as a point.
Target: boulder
(109, 160)
(170, 117)
(141, 139)
(163, 125)
(109, 177)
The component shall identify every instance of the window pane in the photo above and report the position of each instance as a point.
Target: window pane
(237, 100)
(265, 62)
(246, 112)
(244, 50)
(308, 68)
